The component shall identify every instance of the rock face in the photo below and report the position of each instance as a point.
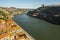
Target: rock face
(50, 14)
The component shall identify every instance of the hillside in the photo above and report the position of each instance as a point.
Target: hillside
(50, 13)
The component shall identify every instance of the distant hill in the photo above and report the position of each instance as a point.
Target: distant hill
(6, 12)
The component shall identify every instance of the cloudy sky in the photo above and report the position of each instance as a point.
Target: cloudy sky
(27, 3)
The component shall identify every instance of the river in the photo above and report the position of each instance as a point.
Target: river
(39, 29)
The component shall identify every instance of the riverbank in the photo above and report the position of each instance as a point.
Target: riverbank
(29, 36)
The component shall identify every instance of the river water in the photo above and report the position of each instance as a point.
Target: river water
(39, 29)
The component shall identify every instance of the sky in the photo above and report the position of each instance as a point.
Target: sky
(27, 3)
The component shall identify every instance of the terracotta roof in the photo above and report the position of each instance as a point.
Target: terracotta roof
(2, 21)
(5, 35)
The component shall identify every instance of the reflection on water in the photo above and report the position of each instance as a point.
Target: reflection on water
(37, 28)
